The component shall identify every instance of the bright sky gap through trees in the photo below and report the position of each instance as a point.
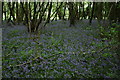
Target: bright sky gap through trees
(60, 0)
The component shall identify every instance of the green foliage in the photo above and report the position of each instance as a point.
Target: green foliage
(51, 57)
(13, 33)
(106, 54)
(109, 33)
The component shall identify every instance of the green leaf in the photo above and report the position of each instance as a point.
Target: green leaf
(106, 54)
(30, 51)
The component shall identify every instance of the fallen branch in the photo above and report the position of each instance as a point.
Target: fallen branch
(38, 57)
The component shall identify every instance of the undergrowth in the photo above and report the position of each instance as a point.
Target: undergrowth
(57, 53)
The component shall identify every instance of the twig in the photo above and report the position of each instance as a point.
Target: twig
(42, 59)
(103, 49)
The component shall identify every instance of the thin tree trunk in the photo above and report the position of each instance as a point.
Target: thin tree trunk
(59, 12)
(99, 8)
(89, 6)
(11, 8)
(9, 5)
(41, 17)
(25, 12)
(34, 15)
(49, 12)
(30, 10)
(76, 11)
(64, 12)
(0, 12)
(17, 16)
(56, 13)
(80, 4)
(83, 13)
(118, 12)
(56, 10)
(112, 14)
(90, 21)
(5, 13)
(21, 14)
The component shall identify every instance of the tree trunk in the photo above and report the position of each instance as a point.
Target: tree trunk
(0, 12)
(30, 10)
(25, 12)
(89, 6)
(83, 12)
(34, 15)
(80, 5)
(112, 14)
(76, 11)
(71, 14)
(56, 13)
(59, 12)
(90, 21)
(5, 13)
(98, 11)
(11, 8)
(64, 11)
(49, 12)
(17, 17)
(118, 12)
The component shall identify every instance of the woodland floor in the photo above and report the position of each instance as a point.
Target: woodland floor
(60, 51)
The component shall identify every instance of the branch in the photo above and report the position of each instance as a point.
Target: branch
(38, 57)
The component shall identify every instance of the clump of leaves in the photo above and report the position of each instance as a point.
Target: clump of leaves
(109, 33)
